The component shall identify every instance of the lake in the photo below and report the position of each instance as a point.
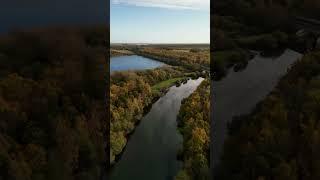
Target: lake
(239, 92)
(133, 62)
(151, 152)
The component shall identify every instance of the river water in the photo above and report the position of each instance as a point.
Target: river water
(151, 152)
(133, 62)
(239, 92)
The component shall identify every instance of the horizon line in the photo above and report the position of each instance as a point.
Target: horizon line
(158, 43)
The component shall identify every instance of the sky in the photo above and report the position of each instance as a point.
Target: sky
(20, 14)
(160, 21)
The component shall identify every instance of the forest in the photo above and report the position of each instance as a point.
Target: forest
(52, 104)
(194, 125)
(195, 59)
(259, 25)
(131, 93)
(280, 138)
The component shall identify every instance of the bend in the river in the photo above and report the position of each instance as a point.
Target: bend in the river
(239, 92)
(151, 152)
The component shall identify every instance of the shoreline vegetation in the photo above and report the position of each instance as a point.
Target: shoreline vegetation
(131, 95)
(52, 104)
(120, 52)
(193, 58)
(139, 90)
(145, 87)
(264, 26)
(194, 125)
(234, 41)
(279, 138)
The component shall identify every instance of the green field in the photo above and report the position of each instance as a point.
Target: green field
(165, 84)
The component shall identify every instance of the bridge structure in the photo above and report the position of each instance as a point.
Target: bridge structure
(308, 28)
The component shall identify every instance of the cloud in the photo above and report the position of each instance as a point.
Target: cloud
(168, 4)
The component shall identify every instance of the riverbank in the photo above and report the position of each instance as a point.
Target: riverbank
(194, 125)
(120, 52)
(235, 38)
(279, 139)
(192, 60)
(280, 136)
(234, 95)
(156, 139)
(190, 57)
(158, 91)
(132, 93)
(137, 90)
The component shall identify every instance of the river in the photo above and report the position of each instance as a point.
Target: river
(133, 62)
(239, 92)
(151, 152)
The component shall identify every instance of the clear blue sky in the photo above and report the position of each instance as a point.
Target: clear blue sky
(160, 21)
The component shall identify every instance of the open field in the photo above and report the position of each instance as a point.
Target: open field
(165, 84)
(120, 52)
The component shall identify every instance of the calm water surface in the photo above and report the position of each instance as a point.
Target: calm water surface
(239, 92)
(133, 62)
(151, 153)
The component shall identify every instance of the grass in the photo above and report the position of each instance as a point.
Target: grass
(223, 55)
(165, 84)
(229, 57)
(120, 52)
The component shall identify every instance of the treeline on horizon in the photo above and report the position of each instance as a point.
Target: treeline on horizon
(195, 59)
(194, 125)
(52, 104)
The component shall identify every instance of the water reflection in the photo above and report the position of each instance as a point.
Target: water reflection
(151, 152)
(133, 62)
(239, 92)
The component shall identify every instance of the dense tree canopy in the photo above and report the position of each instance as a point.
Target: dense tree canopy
(131, 92)
(263, 25)
(193, 59)
(280, 138)
(194, 123)
(52, 93)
